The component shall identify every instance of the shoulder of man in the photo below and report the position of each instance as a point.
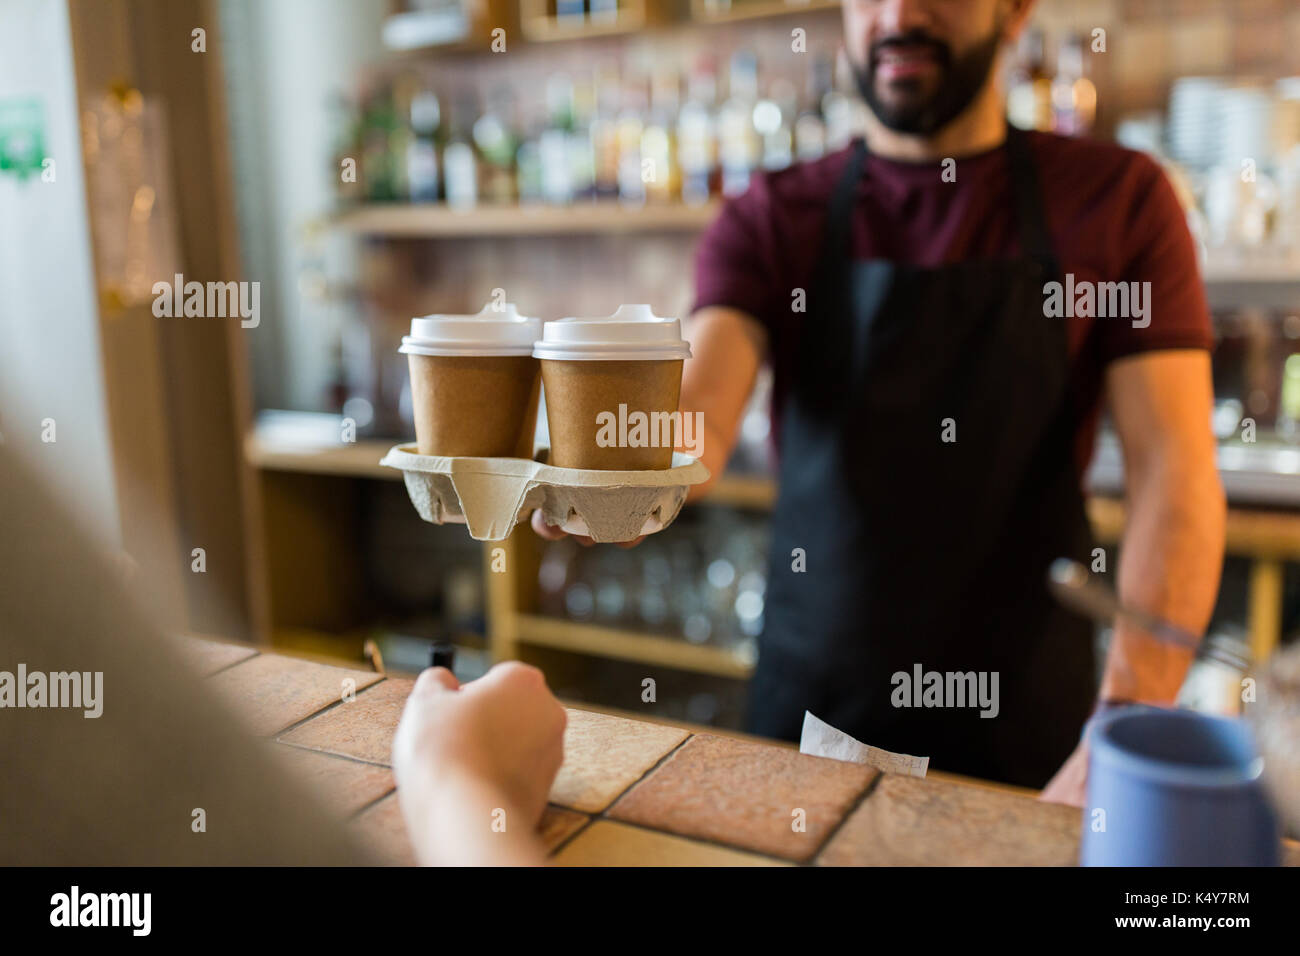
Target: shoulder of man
(1083, 165)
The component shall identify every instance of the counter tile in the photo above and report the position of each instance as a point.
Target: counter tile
(361, 728)
(745, 794)
(274, 692)
(382, 831)
(606, 843)
(558, 824)
(208, 657)
(344, 785)
(908, 821)
(604, 755)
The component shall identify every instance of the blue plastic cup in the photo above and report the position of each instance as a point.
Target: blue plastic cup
(1175, 788)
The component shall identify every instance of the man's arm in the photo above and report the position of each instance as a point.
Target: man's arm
(1172, 551)
(727, 348)
(1173, 546)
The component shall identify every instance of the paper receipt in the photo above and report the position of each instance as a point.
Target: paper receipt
(822, 740)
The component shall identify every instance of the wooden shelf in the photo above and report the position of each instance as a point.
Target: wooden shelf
(550, 30)
(757, 492)
(1271, 535)
(1253, 533)
(758, 10)
(436, 220)
(612, 643)
(453, 29)
(356, 460)
(1264, 279)
(541, 25)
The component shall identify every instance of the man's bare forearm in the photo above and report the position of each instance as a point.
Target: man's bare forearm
(1171, 559)
(727, 347)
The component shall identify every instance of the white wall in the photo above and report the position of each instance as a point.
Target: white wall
(285, 60)
(49, 326)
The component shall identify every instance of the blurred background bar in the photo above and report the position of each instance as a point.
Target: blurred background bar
(368, 161)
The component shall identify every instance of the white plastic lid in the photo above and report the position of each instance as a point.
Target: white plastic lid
(496, 330)
(634, 332)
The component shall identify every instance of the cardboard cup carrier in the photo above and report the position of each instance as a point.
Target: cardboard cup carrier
(468, 410)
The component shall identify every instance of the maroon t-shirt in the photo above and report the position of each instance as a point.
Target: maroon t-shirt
(1111, 212)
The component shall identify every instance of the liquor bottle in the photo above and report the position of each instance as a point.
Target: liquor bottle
(400, 136)
(659, 140)
(844, 114)
(739, 147)
(553, 145)
(1288, 417)
(772, 117)
(1029, 97)
(810, 125)
(496, 142)
(422, 150)
(1074, 96)
(604, 132)
(628, 130)
(582, 157)
(697, 136)
(528, 168)
(378, 124)
(460, 164)
(602, 11)
(569, 12)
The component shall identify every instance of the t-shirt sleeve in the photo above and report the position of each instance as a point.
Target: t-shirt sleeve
(1157, 248)
(735, 259)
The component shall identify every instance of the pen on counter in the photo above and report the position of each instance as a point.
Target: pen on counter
(443, 654)
(1074, 587)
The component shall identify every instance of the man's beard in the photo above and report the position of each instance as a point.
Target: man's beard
(959, 83)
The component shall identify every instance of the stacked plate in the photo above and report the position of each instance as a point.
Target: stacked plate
(1287, 126)
(1247, 115)
(1213, 122)
(1195, 124)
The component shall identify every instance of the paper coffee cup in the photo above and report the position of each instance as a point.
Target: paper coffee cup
(474, 383)
(612, 387)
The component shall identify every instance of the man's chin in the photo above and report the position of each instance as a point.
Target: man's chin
(901, 115)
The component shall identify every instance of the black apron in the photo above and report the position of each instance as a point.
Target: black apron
(892, 548)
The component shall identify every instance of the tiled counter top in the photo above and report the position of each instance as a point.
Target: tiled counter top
(637, 793)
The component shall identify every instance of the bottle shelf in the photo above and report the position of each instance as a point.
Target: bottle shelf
(437, 220)
(703, 11)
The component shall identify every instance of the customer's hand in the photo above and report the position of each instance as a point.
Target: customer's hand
(474, 764)
(551, 533)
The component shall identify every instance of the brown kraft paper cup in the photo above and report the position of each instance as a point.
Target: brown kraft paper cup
(578, 391)
(475, 406)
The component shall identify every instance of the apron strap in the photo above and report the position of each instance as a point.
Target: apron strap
(825, 353)
(837, 250)
(1035, 240)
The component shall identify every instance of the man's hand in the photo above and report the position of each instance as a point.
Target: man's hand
(469, 760)
(551, 533)
(1069, 784)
